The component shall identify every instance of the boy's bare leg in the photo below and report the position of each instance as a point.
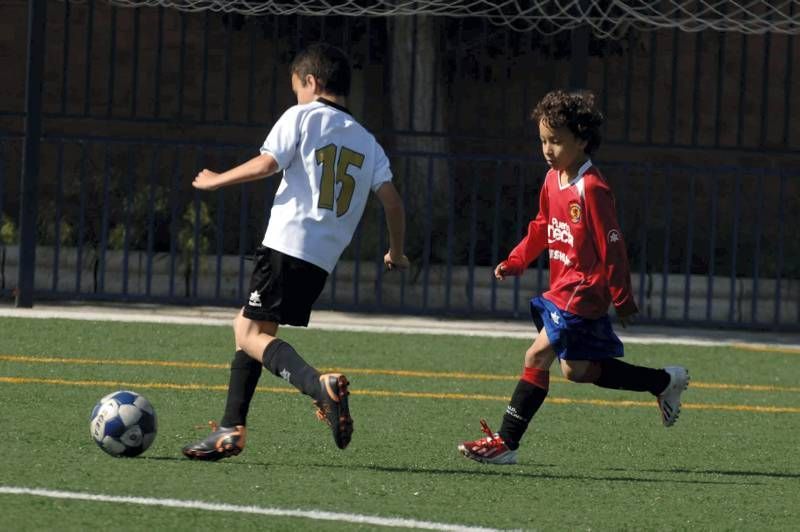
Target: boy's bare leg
(252, 336)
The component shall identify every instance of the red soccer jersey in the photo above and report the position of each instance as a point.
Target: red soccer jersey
(577, 223)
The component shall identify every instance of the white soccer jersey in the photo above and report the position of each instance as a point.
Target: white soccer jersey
(330, 163)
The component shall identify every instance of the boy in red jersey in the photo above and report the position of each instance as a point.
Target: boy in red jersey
(589, 270)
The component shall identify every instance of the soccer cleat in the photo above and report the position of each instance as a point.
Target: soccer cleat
(669, 402)
(489, 450)
(221, 443)
(333, 408)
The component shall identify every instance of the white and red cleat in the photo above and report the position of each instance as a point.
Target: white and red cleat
(489, 450)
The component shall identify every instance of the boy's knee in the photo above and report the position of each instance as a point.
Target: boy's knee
(241, 328)
(581, 372)
(538, 358)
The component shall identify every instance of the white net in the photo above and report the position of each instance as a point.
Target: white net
(606, 18)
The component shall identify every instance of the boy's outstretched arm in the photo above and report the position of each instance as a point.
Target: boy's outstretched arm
(256, 168)
(396, 222)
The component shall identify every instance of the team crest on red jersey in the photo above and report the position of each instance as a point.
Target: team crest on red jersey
(574, 212)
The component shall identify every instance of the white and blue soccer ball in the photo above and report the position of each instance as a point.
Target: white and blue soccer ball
(123, 423)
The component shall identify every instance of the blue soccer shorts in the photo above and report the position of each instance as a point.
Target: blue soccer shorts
(574, 337)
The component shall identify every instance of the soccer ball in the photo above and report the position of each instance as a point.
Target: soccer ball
(123, 423)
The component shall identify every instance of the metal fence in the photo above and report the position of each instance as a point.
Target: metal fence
(132, 97)
(120, 221)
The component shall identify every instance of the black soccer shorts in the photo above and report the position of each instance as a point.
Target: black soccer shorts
(282, 288)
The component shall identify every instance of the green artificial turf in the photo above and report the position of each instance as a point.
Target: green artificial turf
(729, 463)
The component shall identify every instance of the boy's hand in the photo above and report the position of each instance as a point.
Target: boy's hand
(206, 180)
(626, 319)
(393, 261)
(626, 311)
(502, 270)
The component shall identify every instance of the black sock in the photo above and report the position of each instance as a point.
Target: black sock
(245, 372)
(283, 361)
(525, 401)
(620, 375)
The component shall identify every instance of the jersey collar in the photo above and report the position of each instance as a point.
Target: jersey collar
(334, 105)
(582, 170)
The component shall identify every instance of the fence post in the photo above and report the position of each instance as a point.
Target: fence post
(30, 154)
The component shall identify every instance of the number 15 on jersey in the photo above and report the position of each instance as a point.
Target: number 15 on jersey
(336, 162)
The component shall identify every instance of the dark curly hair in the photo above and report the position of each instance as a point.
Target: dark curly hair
(574, 110)
(327, 63)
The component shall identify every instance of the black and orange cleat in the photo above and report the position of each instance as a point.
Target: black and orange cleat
(221, 443)
(333, 407)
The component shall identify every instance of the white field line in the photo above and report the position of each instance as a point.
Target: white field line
(396, 325)
(217, 507)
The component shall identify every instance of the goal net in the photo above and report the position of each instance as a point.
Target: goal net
(606, 18)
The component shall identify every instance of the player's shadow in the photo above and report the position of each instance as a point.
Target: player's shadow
(721, 472)
(164, 458)
(620, 474)
(514, 472)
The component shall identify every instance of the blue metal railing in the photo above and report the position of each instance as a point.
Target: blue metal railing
(120, 221)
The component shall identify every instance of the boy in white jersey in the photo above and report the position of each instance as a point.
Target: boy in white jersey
(330, 163)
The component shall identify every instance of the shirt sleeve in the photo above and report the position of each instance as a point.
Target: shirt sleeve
(284, 137)
(383, 171)
(607, 235)
(534, 242)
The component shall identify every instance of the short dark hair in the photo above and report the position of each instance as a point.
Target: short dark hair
(328, 64)
(576, 111)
